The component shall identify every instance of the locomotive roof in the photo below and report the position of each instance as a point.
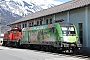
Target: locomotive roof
(65, 24)
(39, 27)
(48, 26)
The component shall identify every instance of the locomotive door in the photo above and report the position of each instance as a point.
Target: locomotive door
(29, 36)
(26, 36)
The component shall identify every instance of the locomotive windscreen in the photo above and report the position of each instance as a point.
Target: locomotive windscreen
(68, 30)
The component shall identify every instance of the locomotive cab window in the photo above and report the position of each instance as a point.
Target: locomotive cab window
(71, 30)
(68, 30)
(13, 31)
(64, 30)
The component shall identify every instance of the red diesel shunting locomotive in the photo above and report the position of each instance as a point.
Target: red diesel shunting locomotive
(12, 37)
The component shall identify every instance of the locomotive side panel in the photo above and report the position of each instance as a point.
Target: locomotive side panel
(39, 35)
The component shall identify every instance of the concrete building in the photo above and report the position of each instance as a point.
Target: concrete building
(75, 11)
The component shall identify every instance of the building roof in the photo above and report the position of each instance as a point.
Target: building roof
(73, 4)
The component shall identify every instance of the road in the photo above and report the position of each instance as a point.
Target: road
(25, 54)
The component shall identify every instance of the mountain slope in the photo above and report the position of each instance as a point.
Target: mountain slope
(11, 10)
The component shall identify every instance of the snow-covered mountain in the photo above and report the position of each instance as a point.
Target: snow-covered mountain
(11, 10)
(23, 8)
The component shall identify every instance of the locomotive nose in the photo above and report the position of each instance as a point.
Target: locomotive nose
(69, 39)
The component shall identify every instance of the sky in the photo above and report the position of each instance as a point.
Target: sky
(62, 0)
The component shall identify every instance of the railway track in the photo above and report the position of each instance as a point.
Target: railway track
(57, 52)
(74, 55)
(81, 56)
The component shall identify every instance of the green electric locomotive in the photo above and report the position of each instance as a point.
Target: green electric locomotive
(63, 36)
